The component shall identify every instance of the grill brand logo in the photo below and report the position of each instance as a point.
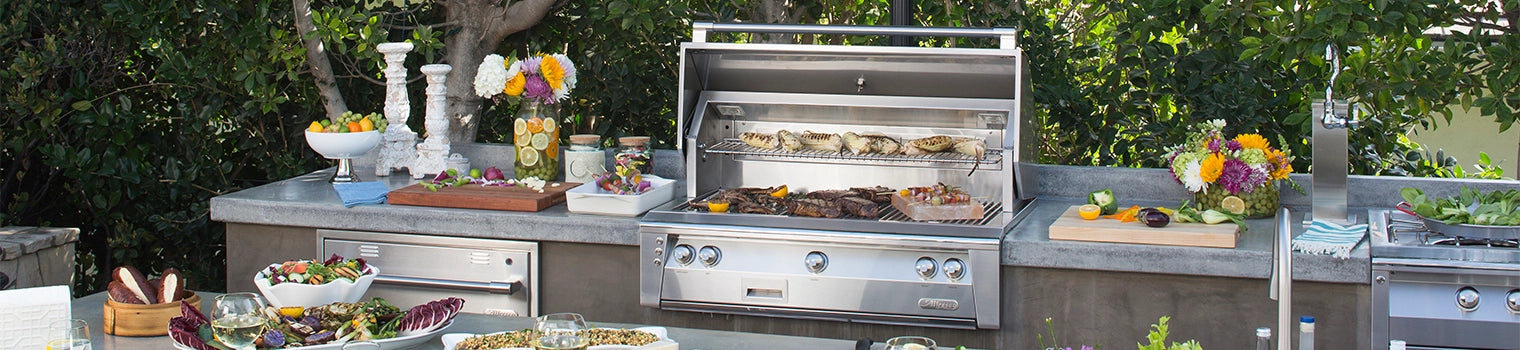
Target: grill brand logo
(938, 304)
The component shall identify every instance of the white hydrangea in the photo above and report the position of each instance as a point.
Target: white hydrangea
(491, 77)
(562, 93)
(1192, 176)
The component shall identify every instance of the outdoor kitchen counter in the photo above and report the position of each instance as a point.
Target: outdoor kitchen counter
(309, 201)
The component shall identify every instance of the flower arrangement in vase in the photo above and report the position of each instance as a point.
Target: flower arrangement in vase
(539, 82)
(1233, 175)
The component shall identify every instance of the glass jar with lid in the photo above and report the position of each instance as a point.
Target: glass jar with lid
(634, 152)
(584, 159)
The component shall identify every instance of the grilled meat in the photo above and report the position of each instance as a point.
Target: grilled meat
(789, 141)
(769, 201)
(857, 206)
(730, 196)
(829, 195)
(822, 141)
(929, 144)
(758, 191)
(855, 143)
(817, 208)
(752, 208)
(883, 144)
(878, 194)
(765, 141)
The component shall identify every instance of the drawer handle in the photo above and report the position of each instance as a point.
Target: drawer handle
(507, 288)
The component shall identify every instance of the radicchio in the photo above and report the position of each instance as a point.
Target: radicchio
(185, 329)
(428, 317)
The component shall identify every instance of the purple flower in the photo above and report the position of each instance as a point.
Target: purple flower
(537, 89)
(1214, 144)
(1232, 145)
(530, 65)
(1235, 176)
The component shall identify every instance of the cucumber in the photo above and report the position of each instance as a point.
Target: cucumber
(1104, 199)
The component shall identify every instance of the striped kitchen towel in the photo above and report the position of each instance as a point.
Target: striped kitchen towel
(357, 193)
(1326, 238)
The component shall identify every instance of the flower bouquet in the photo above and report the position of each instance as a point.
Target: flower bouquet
(1233, 175)
(539, 81)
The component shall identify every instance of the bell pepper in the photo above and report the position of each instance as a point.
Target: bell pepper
(1104, 199)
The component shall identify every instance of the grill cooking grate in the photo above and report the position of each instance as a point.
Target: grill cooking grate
(885, 213)
(737, 147)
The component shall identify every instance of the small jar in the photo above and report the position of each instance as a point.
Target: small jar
(634, 152)
(584, 160)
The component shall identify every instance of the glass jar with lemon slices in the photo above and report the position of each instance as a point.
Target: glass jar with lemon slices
(535, 134)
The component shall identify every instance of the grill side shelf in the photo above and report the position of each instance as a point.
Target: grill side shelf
(739, 148)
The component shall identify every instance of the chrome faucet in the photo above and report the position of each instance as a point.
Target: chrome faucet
(1333, 119)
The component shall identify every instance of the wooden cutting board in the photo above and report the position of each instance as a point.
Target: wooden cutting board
(1071, 227)
(515, 198)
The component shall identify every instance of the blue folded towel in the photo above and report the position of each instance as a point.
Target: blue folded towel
(1328, 238)
(356, 193)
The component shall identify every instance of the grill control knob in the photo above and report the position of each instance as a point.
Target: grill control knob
(682, 254)
(709, 255)
(926, 267)
(954, 268)
(816, 261)
(1513, 301)
(1467, 298)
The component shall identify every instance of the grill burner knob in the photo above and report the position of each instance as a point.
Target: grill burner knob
(709, 255)
(1467, 299)
(926, 267)
(683, 254)
(954, 268)
(816, 261)
(1513, 301)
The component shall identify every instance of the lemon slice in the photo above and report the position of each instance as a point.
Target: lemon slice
(528, 157)
(540, 141)
(1233, 205)
(1089, 211)
(519, 127)
(523, 139)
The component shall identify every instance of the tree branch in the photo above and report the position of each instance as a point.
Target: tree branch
(316, 58)
(432, 26)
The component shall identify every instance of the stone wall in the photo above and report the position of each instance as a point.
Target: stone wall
(37, 256)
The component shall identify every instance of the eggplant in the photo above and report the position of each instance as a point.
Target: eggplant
(1155, 218)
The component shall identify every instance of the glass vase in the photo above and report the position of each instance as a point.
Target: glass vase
(535, 134)
(1260, 202)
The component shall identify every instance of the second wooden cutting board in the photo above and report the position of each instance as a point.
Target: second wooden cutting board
(516, 198)
(1071, 227)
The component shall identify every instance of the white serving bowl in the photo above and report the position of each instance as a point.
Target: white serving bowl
(301, 294)
(349, 145)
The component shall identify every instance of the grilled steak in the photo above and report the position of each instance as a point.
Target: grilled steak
(769, 201)
(814, 207)
(752, 208)
(857, 206)
(878, 194)
(731, 196)
(829, 195)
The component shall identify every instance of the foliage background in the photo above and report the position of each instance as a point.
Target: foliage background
(124, 117)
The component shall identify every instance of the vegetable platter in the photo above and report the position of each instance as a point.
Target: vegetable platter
(329, 326)
(451, 340)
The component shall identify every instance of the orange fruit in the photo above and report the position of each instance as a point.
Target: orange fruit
(552, 151)
(315, 127)
(535, 125)
(354, 127)
(717, 206)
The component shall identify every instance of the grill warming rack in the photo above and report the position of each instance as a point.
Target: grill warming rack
(994, 156)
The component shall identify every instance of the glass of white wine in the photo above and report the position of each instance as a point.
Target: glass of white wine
(70, 334)
(911, 343)
(562, 331)
(238, 319)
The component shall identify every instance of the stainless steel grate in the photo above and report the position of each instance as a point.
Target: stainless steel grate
(887, 213)
(737, 147)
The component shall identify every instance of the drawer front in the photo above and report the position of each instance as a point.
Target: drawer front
(493, 276)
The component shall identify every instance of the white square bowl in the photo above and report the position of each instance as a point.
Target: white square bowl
(589, 199)
(301, 294)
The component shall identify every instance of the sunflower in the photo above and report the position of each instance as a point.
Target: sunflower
(1211, 167)
(552, 72)
(515, 85)
(1252, 141)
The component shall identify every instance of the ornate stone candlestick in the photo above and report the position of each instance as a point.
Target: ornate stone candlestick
(399, 147)
(433, 151)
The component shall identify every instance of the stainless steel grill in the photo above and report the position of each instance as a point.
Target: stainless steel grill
(886, 268)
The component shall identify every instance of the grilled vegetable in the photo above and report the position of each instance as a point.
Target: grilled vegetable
(765, 141)
(789, 141)
(822, 141)
(1104, 199)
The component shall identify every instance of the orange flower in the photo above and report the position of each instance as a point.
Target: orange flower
(1211, 167)
(515, 85)
(1249, 141)
(1280, 165)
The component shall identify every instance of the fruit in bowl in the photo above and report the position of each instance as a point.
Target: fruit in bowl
(309, 283)
(348, 137)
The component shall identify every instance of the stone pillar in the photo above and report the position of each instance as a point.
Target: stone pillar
(398, 148)
(38, 256)
(433, 151)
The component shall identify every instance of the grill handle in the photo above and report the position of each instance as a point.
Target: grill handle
(1008, 36)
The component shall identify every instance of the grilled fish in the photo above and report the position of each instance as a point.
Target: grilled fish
(878, 194)
(764, 141)
(829, 195)
(817, 208)
(822, 141)
(931, 144)
(855, 143)
(883, 144)
(789, 141)
(857, 206)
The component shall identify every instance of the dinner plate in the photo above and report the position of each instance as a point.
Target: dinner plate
(454, 338)
(397, 343)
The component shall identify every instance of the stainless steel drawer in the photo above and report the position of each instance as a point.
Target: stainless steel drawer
(493, 276)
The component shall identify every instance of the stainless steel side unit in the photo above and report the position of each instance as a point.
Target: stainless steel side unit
(886, 268)
(492, 276)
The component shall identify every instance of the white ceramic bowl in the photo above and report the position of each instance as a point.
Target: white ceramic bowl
(333, 145)
(301, 294)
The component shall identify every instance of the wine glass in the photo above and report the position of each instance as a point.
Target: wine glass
(562, 331)
(238, 319)
(70, 334)
(911, 343)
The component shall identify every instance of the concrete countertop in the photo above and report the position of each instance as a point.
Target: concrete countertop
(89, 309)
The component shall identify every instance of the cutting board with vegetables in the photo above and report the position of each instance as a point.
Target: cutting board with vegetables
(515, 198)
(1071, 227)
